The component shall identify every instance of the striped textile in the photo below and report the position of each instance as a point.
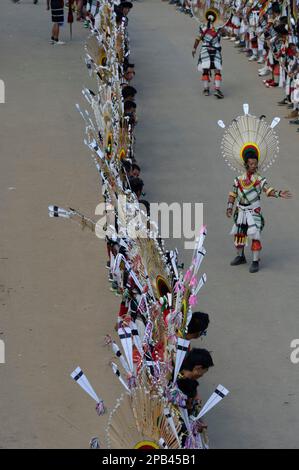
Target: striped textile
(57, 11)
(248, 217)
(249, 195)
(210, 54)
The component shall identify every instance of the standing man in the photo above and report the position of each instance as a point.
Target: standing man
(249, 144)
(210, 58)
(57, 11)
(249, 221)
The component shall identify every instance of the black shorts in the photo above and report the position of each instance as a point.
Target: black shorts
(57, 11)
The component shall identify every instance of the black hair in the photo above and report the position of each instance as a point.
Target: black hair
(199, 322)
(275, 7)
(197, 357)
(136, 167)
(250, 154)
(127, 65)
(125, 4)
(136, 184)
(210, 21)
(126, 165)
(281, 29)
(128, 91)
(128, 105)
(188, 387)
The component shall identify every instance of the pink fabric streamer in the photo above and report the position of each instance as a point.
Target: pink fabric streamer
(188, 275)
(192, 300)
(177, 287)
(193, 440)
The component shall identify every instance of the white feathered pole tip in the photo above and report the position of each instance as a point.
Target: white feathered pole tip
(221, 124)
(274, 123)
(55, 211)
(218, 395)
(246, 108)
(83, 381)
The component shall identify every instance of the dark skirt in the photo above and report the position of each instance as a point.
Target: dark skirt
(57, 11)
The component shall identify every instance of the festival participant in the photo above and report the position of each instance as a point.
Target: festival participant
(198, 325)
(295, 99)
(290, 70)
(136, 186)
(129, 107)
(249, 221)
(81, 9)
(196, 364)
(129, 93)
(249, 186)
(210, 58)
(190, 388)
(185, 394)
(129, 73)
(125, 7)
(135, 170)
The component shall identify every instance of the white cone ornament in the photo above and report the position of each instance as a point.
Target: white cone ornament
(82, 380)
(182, 348)
(214, 399)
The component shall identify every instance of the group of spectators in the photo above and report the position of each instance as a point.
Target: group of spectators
(267, 32)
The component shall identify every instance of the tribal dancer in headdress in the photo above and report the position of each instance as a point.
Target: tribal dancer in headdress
(249, 143)
(210, 57)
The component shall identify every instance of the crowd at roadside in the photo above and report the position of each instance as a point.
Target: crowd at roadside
(155, 320)
(266, 32)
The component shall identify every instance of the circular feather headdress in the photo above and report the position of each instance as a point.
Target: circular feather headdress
(249, 135)
(205, 10)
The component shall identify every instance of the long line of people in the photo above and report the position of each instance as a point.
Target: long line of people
(159, 370)
(197, 361)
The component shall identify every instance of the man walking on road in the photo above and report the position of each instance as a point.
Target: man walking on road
(210, 58)
(57, 11)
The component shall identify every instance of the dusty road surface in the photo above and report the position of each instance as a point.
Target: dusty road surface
(55, 301)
